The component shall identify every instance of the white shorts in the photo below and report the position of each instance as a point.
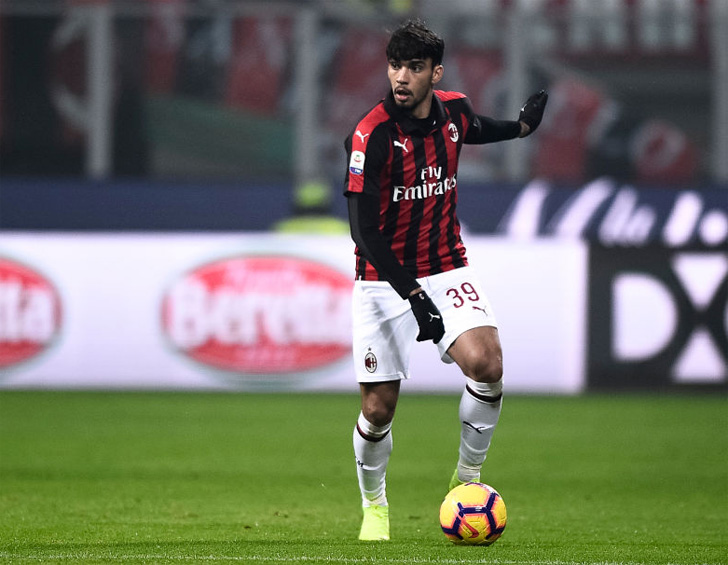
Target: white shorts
(385, 328)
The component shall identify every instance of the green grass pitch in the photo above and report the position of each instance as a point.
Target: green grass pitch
(90, 477)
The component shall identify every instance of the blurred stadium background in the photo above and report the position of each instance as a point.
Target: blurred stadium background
(156, 157)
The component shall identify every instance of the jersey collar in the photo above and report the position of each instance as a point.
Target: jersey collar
(412, 125)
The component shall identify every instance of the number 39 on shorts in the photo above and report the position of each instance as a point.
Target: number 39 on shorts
(462, 294)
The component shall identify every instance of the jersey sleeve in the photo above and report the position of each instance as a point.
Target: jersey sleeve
(366, 154)
(367, 157)
(364, 225)
(483, 129)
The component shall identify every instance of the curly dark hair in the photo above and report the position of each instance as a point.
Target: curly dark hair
(414, 40)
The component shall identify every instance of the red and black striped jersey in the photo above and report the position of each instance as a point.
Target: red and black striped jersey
(411, 166)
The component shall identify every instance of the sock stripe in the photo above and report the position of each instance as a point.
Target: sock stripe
(373, 439)
(482, 397)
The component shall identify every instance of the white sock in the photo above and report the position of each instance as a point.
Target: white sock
(372, 447)
(480, 408)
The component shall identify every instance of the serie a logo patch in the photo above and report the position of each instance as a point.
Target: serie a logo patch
(356, 163)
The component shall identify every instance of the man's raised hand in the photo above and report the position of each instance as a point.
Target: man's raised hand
(532, 111)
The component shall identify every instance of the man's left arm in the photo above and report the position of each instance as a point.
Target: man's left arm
(488, 130)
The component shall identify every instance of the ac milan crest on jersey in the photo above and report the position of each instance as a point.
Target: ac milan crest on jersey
(454, 135)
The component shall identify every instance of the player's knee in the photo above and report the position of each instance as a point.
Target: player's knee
(485, 369)
(377, 414)
(378, 402)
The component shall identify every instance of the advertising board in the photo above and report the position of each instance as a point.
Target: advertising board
(257, 312)
(658, 318)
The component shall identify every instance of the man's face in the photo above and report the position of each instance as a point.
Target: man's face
(412, 83)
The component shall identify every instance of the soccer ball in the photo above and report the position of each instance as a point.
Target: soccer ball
(473, 514)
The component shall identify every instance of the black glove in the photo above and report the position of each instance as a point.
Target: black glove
(532, 110)
(428, 317)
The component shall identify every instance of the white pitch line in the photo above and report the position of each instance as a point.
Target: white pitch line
(311, 559)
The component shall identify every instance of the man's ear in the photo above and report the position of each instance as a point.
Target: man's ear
(437, 73)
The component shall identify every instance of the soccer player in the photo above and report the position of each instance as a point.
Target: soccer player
(412, 275)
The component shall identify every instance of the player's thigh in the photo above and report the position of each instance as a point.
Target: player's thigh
(464, 305)
(384, 330)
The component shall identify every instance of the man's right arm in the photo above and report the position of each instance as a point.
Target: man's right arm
(363, 203)
(364, 224)
(362, 191)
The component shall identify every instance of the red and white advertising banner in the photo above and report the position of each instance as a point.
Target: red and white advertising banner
(255, 312)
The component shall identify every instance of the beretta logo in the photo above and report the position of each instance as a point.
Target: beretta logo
(30, 313)
(260, 315)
